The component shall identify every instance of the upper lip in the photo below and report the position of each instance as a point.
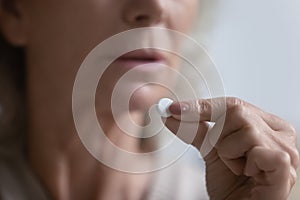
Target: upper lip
(143, 55)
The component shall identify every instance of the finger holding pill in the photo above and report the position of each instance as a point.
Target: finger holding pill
(163, 107)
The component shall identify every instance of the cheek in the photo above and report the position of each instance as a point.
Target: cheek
(61, 34)
(71, 24)
(183, 14)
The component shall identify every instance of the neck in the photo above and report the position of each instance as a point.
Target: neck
(61, 162)
(56, 153)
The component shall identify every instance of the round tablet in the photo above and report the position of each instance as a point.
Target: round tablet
(163, 107)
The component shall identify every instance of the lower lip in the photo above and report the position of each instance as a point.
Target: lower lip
(141, 65)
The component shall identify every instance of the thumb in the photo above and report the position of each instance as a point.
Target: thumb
(190, 133)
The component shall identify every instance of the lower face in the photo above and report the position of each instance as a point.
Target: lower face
(63, 32)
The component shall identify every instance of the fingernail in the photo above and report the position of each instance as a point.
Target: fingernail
(179, 108)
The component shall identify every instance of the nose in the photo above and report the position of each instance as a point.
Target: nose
(144, 12)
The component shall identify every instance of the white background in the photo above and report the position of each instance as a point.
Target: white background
(256, 46)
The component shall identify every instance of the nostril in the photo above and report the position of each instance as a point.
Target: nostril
(143, 12)
(141, 18)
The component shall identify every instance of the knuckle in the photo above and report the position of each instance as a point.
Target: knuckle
(234, 101)
(294, 177)
(298, 158)
(283, 159)
(292, 129)
(238, 111)
(289, 127)
(253, 134)
(238, 107)
(205, 105)
(294, 154)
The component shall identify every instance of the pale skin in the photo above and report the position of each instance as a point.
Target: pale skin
(256, 150)
(58, 34)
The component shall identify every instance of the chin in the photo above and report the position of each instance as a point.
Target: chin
(146, 96)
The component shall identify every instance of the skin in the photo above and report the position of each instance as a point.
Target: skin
(58, 34)
(255, 156)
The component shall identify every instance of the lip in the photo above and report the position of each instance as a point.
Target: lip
(141, 57)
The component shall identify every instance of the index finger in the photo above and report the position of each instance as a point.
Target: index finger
(214, 108)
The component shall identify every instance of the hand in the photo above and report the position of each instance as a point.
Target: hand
(255, 156)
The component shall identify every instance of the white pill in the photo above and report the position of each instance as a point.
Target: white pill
(163, 107)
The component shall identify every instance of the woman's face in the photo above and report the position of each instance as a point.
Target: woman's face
(60, 34)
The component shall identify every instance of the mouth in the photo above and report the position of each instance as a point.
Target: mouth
(141, 57)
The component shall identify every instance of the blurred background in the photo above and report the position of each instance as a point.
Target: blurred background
(256, 47)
